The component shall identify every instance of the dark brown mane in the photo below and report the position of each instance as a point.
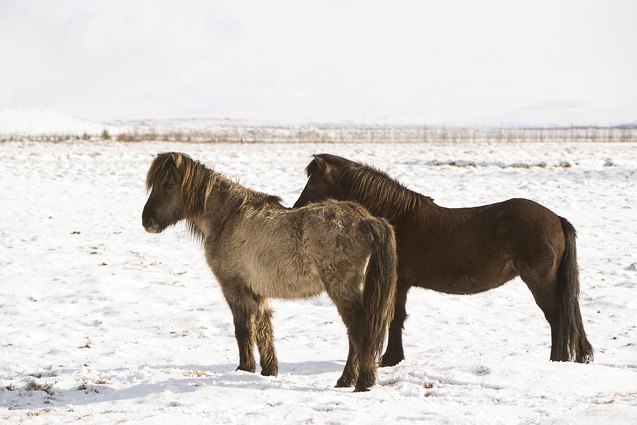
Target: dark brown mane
(372, 188)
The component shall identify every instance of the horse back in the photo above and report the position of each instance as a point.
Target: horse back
(287, 253)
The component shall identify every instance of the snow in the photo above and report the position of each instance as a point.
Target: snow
(103, 323)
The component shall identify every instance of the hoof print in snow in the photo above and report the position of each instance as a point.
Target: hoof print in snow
(481, 370)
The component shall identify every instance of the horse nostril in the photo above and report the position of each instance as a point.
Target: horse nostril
(150, 225)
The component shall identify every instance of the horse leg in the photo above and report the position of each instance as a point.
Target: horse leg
(243, 306)
(265, 339)
(394, 353)
(361, 364)
(349, 306)
(543, 286)
(351, 314)
(350, 372)
(366, 361)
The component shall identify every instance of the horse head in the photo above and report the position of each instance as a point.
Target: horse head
(165, 205)
(322, 183)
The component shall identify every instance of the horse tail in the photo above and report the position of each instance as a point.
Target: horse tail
(572, 342)
(379, 291)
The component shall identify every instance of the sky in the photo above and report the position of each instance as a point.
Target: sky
(447, 62)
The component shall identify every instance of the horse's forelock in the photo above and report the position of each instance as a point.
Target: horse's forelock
(158, 171)
(164, 165)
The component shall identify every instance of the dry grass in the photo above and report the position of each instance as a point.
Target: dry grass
(88, 388)
(33, 385)
(360, 134)
(197, 373)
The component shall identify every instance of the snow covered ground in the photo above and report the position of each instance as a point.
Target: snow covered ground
(103, 323)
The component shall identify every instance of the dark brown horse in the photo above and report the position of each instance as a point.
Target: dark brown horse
(465, 250)
(259, 249)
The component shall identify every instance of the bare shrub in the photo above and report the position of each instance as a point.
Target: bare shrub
(33, 385)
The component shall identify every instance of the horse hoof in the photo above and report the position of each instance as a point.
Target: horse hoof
(361, 390)
(272, 371)
(344, 382)
(365, 381)
(389, 360)
(250, 369)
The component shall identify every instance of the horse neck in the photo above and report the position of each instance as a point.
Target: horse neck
(225, 201)
(381, 195)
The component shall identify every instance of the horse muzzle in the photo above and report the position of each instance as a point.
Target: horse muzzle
(151, 226)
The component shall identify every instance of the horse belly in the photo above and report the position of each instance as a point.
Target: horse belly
(483, 281)
(451, 275)
(281, 284)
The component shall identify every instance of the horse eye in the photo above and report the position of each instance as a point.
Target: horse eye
(168, 185)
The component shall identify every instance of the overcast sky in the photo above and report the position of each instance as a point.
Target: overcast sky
(496, 62)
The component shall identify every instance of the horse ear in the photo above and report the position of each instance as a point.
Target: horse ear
(177, 159)
(323, 165)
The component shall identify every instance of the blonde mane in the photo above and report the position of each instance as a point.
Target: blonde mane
(198, 183)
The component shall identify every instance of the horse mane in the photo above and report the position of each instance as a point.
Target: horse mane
(372, 188)
(198, 183)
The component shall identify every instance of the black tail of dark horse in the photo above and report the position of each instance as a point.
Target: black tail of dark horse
(571, 343)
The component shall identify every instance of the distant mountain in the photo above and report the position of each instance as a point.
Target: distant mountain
(35, 122)
(38, 122)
